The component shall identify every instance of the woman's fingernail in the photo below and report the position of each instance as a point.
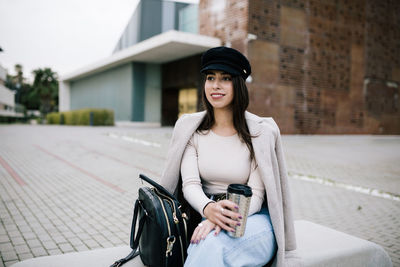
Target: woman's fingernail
(232, 231)
(238, 224)
(240, 217)
(236, 207)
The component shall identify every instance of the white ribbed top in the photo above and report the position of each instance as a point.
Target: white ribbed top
(219, 161)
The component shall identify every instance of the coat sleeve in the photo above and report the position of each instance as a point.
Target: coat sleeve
(290, 237)
(170, 175)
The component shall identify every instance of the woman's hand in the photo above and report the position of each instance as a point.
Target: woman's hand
(202, 230)
(222, 214)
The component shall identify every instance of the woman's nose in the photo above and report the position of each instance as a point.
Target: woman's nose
(216, 84)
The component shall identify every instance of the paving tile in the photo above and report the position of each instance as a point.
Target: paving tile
(115, 240)
(59, 239)
(6, 247)
(14, 233)
(107, 244)
(20, 249)
(39, 230)
(21, 223)
(66, 247)
(25, 256)
(9, 256)
(99, 238)
(4, 238)
(29, 235)
(25, 229)
(62, 228)
(81, 248)
(91, 243)
(34, 243)
(84, 236)
(39, 251)
(67, 234)
(76, 229)
(75, 241)
(2, 230)
(54, 251)
(49, 245)
(9, 263)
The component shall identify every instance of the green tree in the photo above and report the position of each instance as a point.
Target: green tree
(45, 84)
(24, 94)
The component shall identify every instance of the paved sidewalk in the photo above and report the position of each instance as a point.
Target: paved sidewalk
(65, 189)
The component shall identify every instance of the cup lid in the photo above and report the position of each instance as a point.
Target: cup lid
(240, 189)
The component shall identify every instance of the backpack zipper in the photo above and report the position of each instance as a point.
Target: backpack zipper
(176, 221)
(170, 242)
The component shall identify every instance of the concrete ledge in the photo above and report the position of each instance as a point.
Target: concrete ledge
(317, 246)
(96, 258)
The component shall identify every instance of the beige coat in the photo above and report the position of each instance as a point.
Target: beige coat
(270, 159)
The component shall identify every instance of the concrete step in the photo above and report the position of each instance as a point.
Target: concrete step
(317, 246)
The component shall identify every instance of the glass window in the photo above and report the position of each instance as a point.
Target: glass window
(187, 101)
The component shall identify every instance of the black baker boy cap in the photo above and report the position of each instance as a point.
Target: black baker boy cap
(226, 59)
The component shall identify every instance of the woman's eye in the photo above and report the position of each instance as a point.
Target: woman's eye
(210, 78)
(227, 78)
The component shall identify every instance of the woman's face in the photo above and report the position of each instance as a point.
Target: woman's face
(219, 89)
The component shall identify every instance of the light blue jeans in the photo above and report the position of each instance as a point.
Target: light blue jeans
(255, 248)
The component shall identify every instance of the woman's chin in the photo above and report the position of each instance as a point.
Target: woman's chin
(221, 106)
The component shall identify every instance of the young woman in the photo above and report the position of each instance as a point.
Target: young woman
(226, 144)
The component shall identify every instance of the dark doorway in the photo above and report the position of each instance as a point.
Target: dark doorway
(170, 104)
(180, 87)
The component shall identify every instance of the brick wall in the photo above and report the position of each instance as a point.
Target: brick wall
(225, 19)
(319, 66)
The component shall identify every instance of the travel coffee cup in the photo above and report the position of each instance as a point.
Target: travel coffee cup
(241, 195)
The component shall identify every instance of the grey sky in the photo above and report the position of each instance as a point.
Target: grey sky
(62, 34)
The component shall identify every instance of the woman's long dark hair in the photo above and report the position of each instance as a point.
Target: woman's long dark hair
(240, 103)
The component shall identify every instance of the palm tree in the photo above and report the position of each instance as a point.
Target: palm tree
(46, 85)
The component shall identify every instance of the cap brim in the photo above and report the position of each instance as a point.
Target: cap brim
(222, 67)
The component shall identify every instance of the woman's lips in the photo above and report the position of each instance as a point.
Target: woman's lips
(217, 95)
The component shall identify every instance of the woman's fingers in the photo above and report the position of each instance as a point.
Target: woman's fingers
(231, 214)
(224, 214)
(195, 234)
(226, 208)
(201, 231)
(228, 226)
(230, 209)
(217, 230)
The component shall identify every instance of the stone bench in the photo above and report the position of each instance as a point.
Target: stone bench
(317, 246)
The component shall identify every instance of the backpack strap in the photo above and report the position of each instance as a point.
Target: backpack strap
(131, 255)
(156, 185)
(134, 242)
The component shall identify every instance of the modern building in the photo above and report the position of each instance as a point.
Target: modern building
(7, 98)
(319, 67)
(139, 80)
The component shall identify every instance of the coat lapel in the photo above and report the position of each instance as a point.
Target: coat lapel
(184, 128)
(264, 151)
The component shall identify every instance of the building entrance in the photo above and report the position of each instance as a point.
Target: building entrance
(181, 83)
(187, 101)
